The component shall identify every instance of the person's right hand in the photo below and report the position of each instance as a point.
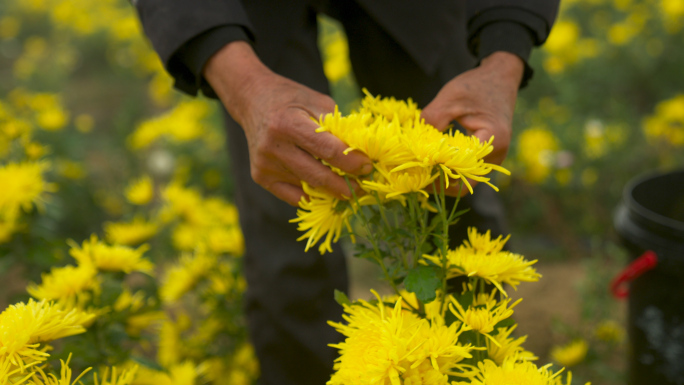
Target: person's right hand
(275, 113)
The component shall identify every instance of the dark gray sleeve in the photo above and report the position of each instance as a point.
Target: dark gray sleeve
(514, 26)
(171, 24)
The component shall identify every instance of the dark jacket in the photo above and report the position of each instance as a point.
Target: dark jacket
(185, 33)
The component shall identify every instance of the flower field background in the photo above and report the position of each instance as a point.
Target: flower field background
(115, 189)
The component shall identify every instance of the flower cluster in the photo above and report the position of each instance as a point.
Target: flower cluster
(431, 331)
(409, 156)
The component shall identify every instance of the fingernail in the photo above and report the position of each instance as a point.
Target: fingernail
(366, 169)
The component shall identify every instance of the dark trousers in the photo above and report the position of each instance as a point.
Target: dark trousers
(290, 293)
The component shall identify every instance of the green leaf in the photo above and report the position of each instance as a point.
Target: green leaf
(342, 298)
(423, 281)
(465, 299)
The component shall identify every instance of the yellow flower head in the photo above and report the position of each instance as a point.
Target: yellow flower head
(610, 331)
(185, 274)
(40, 378)
(389, 108)
(124, 377)
(483, 315)
(483, 257)
(393, 185)
(111, 258)
(66, 283)
(507, 346)
(570, 354)
(322, 215)
(140, 191)
(23, 185)
(385, 345)
(24, 326)
(537, 148)
(515, 372)
(130, 233)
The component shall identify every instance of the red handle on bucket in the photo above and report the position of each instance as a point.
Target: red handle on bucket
(647, 261)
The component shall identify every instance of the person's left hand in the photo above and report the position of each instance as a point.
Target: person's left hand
(482, 100)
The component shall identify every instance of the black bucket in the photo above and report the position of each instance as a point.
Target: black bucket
(650, 222)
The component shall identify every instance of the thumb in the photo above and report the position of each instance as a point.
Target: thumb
(437, 114)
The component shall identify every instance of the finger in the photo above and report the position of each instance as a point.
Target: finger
(442, 111)
(317, 175)
(289, 193)
(320, 105)
(325, 146)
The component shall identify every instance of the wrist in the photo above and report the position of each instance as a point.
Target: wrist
(508, 65)
(234, 72)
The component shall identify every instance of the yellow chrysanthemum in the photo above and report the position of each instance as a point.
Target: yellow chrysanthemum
(185, 373)
(124, 377)
(394, 346)
(226, 239)
(515, 372)
(507, 346)
(40, 378)
(537, 148)
(570, 354)
(610, 331)
(66, 283)
(483, 314)
(111, 258)
(480, 256)
(389, 108)
(394, 185)
(184, 123)
(12, 374)
(170, 346)
(322, 215)
(130, 233)
(23, 185)
(184, 275)
(24, 326)
(140, 191)
(379, 139)
(129, 301)
(135, 324)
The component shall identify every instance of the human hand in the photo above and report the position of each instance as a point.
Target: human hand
(275, 113)
(482, 100)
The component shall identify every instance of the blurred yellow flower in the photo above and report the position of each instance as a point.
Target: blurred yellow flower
(537, 148)
(667, 122)
(9, 27)
(130, 233)
(182, 276)
(140, 191)
(70, 169)
(99, 255)
(124, 377)
(570, 354)
(65, 283)
(23, 185)
(336, 64)
(184, 123)
(135, 324)
(84, 123)
(610, 331)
